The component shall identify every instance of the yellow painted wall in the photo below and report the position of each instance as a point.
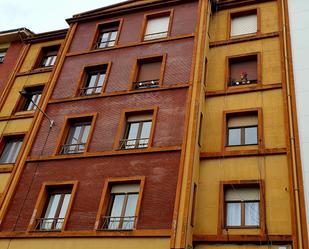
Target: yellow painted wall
(18, 85)
(273, 170)
(33, 54)
(4, 177)
(270, 60)
(15, 126)
(269, 20)
(5, 45)
(271, 103)
(87, 243)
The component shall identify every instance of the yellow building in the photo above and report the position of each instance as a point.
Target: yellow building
(246, 190)
(21, 95)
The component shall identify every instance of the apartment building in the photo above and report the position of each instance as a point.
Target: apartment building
(106, 161)
(22, 97)
(165, 124)
(12, 47)
(247, 191)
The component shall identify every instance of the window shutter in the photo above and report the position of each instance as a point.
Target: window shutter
(249, 66)
(139, 118)
(157, 25)
(125, 188)
(243, 25)
(149, 71)
(241, 121)
(242, 194)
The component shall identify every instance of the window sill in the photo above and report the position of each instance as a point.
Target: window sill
(6, 167)
(24, 113)
(36, 71)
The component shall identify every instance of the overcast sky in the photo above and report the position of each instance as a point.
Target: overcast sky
(43, 15)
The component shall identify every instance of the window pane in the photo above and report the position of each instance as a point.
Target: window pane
(234, 136)
(10, 151)
(233, 214)
(116, 210)
(145, 134)
(52, 206)
(85, 134)
(133, 129)
(252, 214)
(74, 135)
(244, 25)
(251, 135)
(128, 223)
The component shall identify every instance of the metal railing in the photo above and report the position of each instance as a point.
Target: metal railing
(105, 44)
(86, 91)
(241, 83)
(154, 36)
(118, 223)
(127, 144)
(145, 84)
(72, 148)
(49, 224)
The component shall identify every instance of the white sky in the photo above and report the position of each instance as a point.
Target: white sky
(44, 15)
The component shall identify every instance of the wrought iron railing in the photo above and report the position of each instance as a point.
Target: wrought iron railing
(154, 36)
(233, 82)
(126, 144)
(86, 91)
(145, 84)
(105, 44)
(72, 148)
(49, 224)
(118, 223)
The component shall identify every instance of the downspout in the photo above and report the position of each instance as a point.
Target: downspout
(291, 127)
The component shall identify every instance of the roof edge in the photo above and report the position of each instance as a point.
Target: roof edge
(47, 36)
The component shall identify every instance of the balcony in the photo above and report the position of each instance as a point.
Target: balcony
(145, 84)
(106, 44)
(233, 82)
(49, 224)
(109, 223)
(87, 91)
(127, 144)
(155, 36)
(72, 148)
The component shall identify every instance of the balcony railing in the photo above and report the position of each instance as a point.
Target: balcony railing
(145, 84)
(72, 148)
(155, 36)
(49, 224)
(118, 223)
(241, 83)
(106, 44)
(127, 144)
(86, 91)
(1, 59)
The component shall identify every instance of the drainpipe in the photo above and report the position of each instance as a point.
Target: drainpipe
(291, 126)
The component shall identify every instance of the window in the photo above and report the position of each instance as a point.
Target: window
(193, 205)
(242, 129)
(49, 56)
(121, 213)
(107, 35)
(243, 70)
(77, 136)
(31, 97)
(56, 206)
(2, 55)
(157, 27)
(10, 147)
(138, 130)
(244, 23)
(148, 73)
(94, 81)
(242, 206)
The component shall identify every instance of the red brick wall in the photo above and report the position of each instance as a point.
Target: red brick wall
(184, 21)
(160, 170)
(10, 61)
(178, 66)
(168, 128)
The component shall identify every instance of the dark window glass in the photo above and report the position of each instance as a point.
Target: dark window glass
(10, 151)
